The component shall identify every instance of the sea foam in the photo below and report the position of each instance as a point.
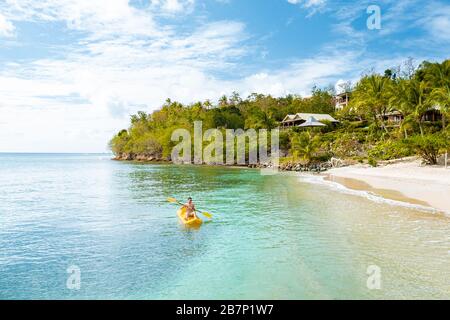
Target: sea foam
(320, 180)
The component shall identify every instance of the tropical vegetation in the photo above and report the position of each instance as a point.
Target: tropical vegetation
(364, 132)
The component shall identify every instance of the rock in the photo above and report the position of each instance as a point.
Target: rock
(126, 156)
(336, 162)
(140, 157)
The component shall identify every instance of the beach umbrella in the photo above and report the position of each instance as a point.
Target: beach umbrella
(312, 122)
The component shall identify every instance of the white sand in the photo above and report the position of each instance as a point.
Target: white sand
(426, 184)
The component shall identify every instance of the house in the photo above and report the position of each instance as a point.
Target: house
(294, 120)
(342, 100)
(394, 118)
(433, 114)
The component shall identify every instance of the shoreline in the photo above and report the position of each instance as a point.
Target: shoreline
(407, 182)
(283, 167)
(404, 181)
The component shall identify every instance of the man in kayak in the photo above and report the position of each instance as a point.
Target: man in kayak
(190, 209)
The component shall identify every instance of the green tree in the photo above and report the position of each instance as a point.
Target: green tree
(119, 142)
(411, 98)
(305, 145)
(419, 100)
(437, 76)
(223, 101)
(371, 97)
(429, 146)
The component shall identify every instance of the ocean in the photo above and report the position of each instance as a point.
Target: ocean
(271, 237)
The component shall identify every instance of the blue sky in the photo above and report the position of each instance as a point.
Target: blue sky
(71, 72)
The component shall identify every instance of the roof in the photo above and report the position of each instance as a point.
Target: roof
(306, 116)
(317, 116)
(436, 107)
(393, 113)
(312, 122)
(289, 117)
(343, 94)
(396, 112)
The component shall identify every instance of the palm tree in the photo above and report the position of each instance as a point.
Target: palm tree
(207, 104)
(407, 123)
(438, 78)
(371, 96)
(223, 101)
(411, 98)
(419, 98)
(305, 145)
(266, 120)
(260, 119)
(399, 101)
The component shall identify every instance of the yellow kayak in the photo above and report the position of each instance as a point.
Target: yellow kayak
(193, 222)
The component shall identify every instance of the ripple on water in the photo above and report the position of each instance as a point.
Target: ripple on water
(271, 236)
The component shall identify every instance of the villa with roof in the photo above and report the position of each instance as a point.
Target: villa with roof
(294, 120)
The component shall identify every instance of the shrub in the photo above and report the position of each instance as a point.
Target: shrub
(429, 146)
(348, 145)
(372, 162)
(285, 143)
(390, 149)
(305, 145)
(118, 143)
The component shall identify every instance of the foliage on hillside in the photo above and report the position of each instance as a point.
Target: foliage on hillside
(150, 133)
(363, 133)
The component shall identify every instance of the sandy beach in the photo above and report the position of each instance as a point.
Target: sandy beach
(407, 181)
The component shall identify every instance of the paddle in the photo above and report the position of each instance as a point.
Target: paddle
(206, 214)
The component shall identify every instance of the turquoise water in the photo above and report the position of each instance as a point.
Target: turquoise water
(272, 237)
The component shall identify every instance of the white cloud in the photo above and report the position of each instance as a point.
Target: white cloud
(120, 79)
(440, 27)
(309, 3)
(301, 76)
(174, 5)
(98, 17)
(6, 27)
(125, 60)
(398, 17)
(437, 21)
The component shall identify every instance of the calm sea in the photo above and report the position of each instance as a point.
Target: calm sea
(271, 237)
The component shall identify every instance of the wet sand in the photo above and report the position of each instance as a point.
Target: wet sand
(360, 185)
(407, 182)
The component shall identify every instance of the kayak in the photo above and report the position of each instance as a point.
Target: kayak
(192, 222)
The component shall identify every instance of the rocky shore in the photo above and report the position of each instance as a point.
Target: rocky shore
(286, 166)
(140, 157)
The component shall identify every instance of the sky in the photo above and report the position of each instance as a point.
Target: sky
(72, 72)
